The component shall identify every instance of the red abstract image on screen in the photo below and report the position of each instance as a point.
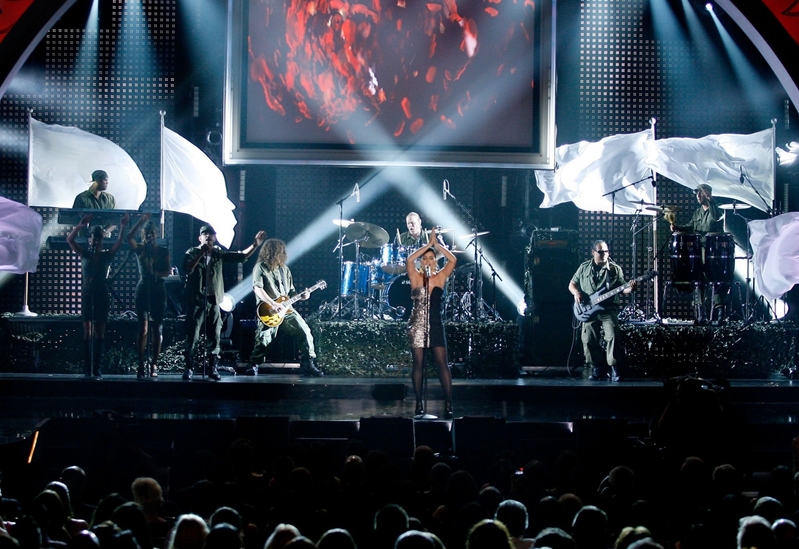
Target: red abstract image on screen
(436, 73)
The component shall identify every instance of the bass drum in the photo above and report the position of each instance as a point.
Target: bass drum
(398, 295)
(719, 257)
(350, 283)
(686, 261)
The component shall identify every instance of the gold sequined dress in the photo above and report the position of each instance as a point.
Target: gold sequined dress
(425, 327)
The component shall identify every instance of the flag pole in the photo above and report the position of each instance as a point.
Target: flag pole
(774, 166)
(161, 187)
(656, 281)
(25, 310)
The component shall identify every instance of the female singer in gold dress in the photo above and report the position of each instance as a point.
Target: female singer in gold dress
(425, 326)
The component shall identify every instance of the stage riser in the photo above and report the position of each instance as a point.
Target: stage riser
(476, 350)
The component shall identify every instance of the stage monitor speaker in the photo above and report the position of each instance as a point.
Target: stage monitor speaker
(552, 259)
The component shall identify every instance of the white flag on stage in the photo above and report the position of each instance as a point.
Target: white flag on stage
(586, 171)
(775, 249)
(62, 159)
(194, 185)
(20, 237)
(726, 162)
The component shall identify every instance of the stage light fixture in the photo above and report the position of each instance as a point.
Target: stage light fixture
(228, 303)
(709, 6)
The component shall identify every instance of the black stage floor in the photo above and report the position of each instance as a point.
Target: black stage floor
(544, 395)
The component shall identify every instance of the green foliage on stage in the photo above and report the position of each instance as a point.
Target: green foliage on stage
(380, 348)
(734, 350)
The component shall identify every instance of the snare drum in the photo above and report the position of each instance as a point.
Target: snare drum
(392, 258)
(686, 260)
(719, 257)
(350, 284)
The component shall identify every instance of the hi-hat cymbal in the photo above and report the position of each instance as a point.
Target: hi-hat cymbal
(643, 203)
(444, 231)
(343, 222)
(472, 235)
(661, 208)
(368, 234)
(735, 206)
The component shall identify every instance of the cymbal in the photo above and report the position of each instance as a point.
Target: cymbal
(343, 222)
(472, 235)
(458, 251)
(735, 206)
(661, 208)
(444, 231)
(368, 234)
(643, 203)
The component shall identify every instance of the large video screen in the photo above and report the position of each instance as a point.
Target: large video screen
(388, 82)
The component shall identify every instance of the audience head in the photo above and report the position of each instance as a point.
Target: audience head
(646, 543)
(414, 539)
(75, 479)
(554, 538)
(490, 498)
(769, 508)
(129, 516)
(105, 509)
(489, 534)
(590, 528)
(391, 521)
(27, 533)
(336, 538)
(630, 535)
(301, 542)
(226, 515)
(223, 536)
(281, 536)
(513, 514)
(148, 494)
(755, 531)
(62, 491)
(189, 532)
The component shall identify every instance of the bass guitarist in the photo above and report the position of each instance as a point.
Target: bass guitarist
(272, 283)
(596, 275)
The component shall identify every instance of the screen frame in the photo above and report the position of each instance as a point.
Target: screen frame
(238, 152)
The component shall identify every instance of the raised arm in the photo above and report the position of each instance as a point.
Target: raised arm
(122, 224)
(131, 238)
(74, 246)
(259, 239)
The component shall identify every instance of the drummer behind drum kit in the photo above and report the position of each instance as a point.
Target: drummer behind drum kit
(376, 287)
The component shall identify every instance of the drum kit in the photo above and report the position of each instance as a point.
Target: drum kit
(375, 285)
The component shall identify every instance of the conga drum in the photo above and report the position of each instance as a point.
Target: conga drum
(719, 257)
(686, 261)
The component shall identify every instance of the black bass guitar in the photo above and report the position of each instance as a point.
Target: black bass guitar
(586, 311)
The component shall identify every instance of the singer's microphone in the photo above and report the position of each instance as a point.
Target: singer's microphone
(444, 189)
(427, 271)
(398, 237)
(741, 179)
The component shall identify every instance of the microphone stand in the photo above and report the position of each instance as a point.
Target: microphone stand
(478, 303)
(745, 177)
(425, 416)
(613, 205)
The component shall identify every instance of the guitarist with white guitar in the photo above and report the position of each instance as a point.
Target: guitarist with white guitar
(596, 276)
(274, 289)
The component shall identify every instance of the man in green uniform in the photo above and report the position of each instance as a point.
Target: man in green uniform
(600, 274)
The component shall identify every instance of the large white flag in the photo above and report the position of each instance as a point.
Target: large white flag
(20, 237)
(775, 249)
(730, 163)
(62, 159)
(194, 185)
(585, 171)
